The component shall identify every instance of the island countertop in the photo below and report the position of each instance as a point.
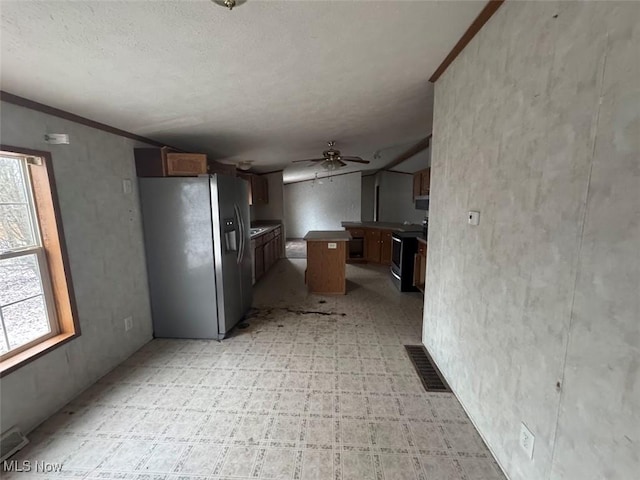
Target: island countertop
(328, 236)
(398, 227)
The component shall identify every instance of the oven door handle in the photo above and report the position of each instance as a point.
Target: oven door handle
(396, 239)
(395, 275)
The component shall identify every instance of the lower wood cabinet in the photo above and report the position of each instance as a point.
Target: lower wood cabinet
(420, 266)
(377, 245)
(372, 245)
(258, 259)
(267, 249)
(386, 246)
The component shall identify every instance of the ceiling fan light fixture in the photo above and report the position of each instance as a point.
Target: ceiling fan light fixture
(331, 165)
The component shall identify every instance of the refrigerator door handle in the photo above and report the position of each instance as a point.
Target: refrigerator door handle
(242, 232)
(240, 240)
(242, 227)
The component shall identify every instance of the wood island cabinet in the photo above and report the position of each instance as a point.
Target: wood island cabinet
(326, 255)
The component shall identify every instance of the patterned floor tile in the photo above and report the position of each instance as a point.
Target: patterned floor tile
(296, 395)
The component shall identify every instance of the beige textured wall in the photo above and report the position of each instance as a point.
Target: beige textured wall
(396, 198)
(313, 205)
(103, 233)
(537, 126)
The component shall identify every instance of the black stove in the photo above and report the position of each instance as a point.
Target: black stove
(404, 248)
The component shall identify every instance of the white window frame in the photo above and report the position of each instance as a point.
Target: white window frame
(38, 250)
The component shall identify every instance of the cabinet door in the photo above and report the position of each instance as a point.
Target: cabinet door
(264, 191)
(417, 263)
(420, 267)
(253, 261)
(259, 259)
(372, 245)
(385, 247)
(247, 178)
(425, 181)
(255, 190)
(417, 184)
(269, 254)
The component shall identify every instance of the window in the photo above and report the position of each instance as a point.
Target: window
(37, 311)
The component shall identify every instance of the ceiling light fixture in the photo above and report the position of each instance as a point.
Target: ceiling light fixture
(244, 165)
(331, 165)
(229, 3)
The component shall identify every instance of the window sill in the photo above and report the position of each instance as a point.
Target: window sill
(13, 363)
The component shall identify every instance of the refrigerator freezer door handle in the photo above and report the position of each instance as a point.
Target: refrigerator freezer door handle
(240, 240)
(242, 232)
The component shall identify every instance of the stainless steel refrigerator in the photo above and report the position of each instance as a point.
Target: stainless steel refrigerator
(196, 235)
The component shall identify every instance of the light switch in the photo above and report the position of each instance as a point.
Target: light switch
(332, 246)
(126, 186)
(474, 218)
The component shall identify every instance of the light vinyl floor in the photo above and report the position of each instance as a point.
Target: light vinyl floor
(296, 395)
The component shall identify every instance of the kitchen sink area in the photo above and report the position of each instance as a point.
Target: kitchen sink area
(257, 231)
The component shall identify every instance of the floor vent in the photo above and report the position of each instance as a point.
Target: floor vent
(426, 369)
(11, 441)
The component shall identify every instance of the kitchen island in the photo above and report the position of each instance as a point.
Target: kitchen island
(326, 261)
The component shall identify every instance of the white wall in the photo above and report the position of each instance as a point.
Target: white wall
(103, 233)
(536, 125)
(396, 198)
(368, 198)
(314, 206)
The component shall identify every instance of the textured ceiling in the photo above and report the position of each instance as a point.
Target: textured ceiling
(269, 82)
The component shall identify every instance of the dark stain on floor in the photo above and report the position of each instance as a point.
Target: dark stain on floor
(268, 312)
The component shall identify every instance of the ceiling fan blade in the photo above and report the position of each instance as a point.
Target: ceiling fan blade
(310, 160)
(354, 159)
(342, 164)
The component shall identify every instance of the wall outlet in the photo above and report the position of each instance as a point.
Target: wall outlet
(527, 440)
(128, 324)
(474, 218)
(332, 246)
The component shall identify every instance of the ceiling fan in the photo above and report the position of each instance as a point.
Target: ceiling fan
(332, 159)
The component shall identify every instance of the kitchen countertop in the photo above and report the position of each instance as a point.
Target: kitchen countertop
(267, 229)
(398, 227)
(328, 236)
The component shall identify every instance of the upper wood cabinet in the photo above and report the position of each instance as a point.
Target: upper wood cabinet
(165, 162)
(421, 182)
(258, 188)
